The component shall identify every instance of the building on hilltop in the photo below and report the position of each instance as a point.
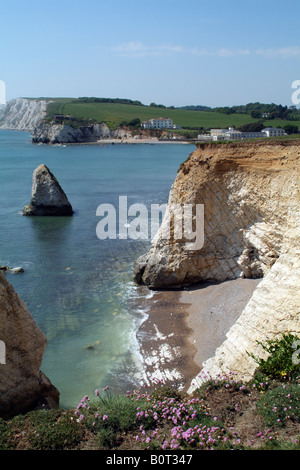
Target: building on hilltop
(159, 123)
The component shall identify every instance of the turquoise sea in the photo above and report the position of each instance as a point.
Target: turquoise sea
(78, 288)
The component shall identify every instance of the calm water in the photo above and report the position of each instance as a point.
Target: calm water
(78, 288)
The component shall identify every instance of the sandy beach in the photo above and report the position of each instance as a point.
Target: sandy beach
(184, 328)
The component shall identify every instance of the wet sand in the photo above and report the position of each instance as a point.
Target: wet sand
(184, 328)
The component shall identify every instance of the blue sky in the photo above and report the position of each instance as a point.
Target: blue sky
(218, 53)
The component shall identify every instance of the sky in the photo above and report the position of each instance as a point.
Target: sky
(176, 53)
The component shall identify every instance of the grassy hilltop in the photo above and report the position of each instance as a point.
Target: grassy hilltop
(116, 112)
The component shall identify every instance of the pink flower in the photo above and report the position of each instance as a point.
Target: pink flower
(104, 417)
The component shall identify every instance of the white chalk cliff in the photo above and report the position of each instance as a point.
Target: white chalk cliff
(54, 133)
(250, 193)
(22, 114)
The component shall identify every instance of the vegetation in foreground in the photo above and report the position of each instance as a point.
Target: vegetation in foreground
(223, 414)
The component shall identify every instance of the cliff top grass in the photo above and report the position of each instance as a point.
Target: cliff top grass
(117, 111)
(223, 414)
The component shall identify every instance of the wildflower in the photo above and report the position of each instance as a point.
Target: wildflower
(97, 392)
(104, 417)
(164, 445)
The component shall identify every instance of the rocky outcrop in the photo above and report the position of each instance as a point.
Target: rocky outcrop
(250, 194)
(52, 133)
(47, 196)
(23, 386)
(23, 114)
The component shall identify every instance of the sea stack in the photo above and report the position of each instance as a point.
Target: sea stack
(47, 196)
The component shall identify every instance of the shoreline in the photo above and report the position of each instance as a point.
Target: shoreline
(103, 142)
(165, 348)
(185, 327)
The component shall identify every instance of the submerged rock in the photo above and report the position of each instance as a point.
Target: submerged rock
(47, 196)
(23, 386)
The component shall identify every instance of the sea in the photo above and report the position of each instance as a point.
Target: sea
(79, 288)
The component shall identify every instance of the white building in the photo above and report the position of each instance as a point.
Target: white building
(160, 123)
(226, 134)
(274, 131)
(232, 134)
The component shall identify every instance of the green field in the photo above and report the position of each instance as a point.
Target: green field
(115, 113)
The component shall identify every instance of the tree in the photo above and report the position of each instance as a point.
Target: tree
(256, 114)
(290, 129)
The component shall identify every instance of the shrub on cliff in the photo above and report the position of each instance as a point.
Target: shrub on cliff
(283, 361)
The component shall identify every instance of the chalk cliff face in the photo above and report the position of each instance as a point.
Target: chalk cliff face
(250, 193)
(250, 196)
(22, 385)
(51, 133)
(22, 114)
(273, 309)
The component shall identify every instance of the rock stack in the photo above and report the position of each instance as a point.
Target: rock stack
(47, 196)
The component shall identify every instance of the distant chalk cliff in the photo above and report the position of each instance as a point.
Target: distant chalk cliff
(22, 114)
(54, 133)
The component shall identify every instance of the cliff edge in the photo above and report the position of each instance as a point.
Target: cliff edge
(250, 195)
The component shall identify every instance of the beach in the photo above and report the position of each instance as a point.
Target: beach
(143, 140)
(184, 328)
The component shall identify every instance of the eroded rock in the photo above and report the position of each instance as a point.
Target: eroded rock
(23, 386)
(47, 196)
(250, 194)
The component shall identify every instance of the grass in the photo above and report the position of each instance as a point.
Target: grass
(115, 113)
(225, 413)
